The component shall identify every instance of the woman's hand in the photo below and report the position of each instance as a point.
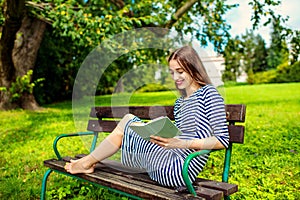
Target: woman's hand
(171, 143)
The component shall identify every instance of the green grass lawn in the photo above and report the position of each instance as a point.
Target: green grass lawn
(265, 167)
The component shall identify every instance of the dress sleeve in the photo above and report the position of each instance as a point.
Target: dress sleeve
(215, 112)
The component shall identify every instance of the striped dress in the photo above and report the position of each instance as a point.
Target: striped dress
(199, 116)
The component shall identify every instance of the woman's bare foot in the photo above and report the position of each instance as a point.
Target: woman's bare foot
(80, 166)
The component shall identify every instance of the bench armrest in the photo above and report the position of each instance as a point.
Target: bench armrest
(185, 174)
(72, 135)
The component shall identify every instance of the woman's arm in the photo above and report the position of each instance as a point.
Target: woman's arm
(198, 144)
(206, 143)
(215, 113)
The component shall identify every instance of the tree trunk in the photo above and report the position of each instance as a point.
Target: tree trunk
(13, 12)
(20, 41)
(26, 47)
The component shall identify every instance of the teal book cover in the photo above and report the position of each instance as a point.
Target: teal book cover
(161, 126)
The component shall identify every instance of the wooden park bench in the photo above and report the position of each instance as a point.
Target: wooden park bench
(107, 173)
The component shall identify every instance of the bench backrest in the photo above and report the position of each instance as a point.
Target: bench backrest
(104, 119)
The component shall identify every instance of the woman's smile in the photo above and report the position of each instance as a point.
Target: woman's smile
(179, 82)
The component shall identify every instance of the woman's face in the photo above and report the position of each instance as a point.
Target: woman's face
(182, 79)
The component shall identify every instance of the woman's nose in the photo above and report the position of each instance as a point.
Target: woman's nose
(175, 76)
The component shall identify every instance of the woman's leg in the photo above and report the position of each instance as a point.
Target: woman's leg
(109, 146)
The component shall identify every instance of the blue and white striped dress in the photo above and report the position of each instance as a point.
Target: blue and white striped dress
(200, 116)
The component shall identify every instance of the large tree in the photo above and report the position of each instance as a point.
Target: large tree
(73, 27)
(254, 53)
(278, 52)
(295, 47)
(260, 63)
(247, 53)
(233, 58)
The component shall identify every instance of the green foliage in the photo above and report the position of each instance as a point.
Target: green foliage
(266, 8)
(262, 77)
(22, 85)
(77, 27)
(288, 73)
(60, 72)
(247, 53)
(266, 166)
(3, 89)
(295, 46)
(152, 88)
(140, 67)
(253, 52)
(2, 19)
(250, 78)
(278, 52)
(260, 53)
(284, 73)
(233, 58)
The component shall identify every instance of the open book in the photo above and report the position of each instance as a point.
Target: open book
(161, 126)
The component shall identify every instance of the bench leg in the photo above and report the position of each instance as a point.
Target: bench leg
(44, 183)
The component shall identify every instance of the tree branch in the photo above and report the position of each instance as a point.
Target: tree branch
(40, 7)
(119, 3)
(180, 12)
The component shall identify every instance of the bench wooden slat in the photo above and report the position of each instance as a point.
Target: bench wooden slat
(116, 167)
(227, 188)
(128, 184)
(236, 133)
(234, 112)
(144, 112)
(208, 193)
(208, 189)
(101, 125)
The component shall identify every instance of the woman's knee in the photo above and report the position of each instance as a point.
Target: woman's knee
(125, 120)
(128, 117)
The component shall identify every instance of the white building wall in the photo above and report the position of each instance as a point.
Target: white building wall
(214, 66)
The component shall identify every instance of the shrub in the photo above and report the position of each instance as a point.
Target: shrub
(153, 87)
(284, 73)
(22, 85)
(288, 73)
(264, 77)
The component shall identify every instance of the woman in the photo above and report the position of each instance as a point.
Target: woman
(199, 114)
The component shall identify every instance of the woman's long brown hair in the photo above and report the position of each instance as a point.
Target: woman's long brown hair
(191, 63)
